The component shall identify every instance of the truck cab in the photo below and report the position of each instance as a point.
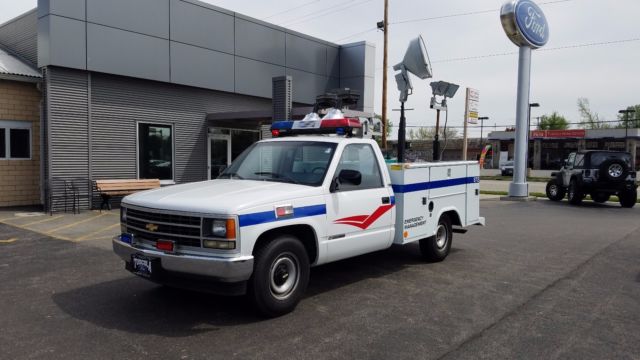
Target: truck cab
(290, 203)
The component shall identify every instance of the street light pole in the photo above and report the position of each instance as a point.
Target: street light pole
(482, 119)
(529, 128)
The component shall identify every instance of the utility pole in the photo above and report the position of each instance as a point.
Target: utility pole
(385, 28)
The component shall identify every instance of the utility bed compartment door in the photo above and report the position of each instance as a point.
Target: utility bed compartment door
(473, 196)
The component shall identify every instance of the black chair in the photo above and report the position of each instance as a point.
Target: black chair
(60, 194)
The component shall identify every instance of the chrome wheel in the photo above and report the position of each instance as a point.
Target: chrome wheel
(284, 275)
(553, 190)
(615, 170)
(441, 236)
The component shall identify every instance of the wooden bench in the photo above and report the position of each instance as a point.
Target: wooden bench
(108, 188)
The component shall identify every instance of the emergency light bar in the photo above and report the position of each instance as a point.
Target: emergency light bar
(345, 126)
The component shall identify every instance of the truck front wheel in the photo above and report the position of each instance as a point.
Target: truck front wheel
(280, 276)
(436, 248)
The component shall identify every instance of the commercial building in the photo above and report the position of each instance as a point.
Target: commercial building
(169, 89)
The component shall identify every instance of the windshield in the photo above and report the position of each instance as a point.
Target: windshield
(297, 162)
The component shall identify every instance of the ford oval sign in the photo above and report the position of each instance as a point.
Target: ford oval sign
(525, 23)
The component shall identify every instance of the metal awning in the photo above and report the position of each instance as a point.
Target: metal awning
(297, 114)
(13, 68)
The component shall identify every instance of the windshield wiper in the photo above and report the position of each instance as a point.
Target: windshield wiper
(277, 176)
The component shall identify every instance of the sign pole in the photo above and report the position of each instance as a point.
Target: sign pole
(519, 186)
(466, 119)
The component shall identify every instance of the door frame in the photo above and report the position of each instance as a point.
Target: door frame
(226, 137)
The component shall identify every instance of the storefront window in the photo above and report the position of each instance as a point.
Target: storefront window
(3, 144)
(15, 140)
(155, 151)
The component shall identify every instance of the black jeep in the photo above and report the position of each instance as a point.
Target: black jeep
(598, 173)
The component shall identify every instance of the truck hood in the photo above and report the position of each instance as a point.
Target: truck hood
(223, 196)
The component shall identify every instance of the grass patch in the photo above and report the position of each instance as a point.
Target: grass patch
(543, 195)
(509, 178)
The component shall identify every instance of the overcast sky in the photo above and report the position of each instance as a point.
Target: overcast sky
(608, 75)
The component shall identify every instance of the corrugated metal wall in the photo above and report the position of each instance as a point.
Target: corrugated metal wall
(116, 105)
(20, 36)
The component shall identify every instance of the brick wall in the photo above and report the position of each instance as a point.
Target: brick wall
(20, 179)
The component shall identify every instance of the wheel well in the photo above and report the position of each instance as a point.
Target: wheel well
(454, 217)
(304, 233)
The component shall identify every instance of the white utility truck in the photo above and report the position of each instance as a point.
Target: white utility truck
(293, 202)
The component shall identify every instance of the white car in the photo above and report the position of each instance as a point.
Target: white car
(506, 169)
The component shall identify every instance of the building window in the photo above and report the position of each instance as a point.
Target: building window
(15, 140)
(155, 151)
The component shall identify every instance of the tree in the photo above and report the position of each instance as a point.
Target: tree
(588, 118)
(428, 133)
(632, 120)
(554, 121)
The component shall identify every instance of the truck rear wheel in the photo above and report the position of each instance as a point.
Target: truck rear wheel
(628, 198)
(280, 276)
(436, 248)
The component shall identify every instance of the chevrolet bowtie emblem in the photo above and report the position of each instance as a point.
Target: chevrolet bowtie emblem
(152, 227)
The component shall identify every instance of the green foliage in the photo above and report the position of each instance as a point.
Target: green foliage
(428, 133)
(588, 118)
(632, 121)
(554, 121)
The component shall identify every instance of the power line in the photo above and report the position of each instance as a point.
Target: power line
(400, 22)
(291, 9)
(319, 15)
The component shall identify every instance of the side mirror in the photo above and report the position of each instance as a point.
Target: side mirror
(353, 177)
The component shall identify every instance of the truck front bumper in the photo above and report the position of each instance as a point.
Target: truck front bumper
(221, 269)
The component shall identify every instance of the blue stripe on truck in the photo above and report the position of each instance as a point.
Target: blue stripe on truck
(270, 216)
(434, 184)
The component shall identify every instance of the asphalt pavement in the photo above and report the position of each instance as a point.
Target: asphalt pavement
(541, 280)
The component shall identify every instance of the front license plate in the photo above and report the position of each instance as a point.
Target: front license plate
(141, 265)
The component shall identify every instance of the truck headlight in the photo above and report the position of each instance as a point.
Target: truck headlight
(220, 228)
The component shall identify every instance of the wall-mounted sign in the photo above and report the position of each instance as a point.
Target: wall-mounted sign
(473, 100)
(525, 23)
(577, 133)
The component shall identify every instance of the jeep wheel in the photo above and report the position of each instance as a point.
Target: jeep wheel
(575, 195)
(280, 276)
(436, 248)
(600, 197)
(614, 170)
(555, 192)
(628, 198)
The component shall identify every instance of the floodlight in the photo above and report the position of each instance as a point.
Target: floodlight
(443, 88)
(416, 59)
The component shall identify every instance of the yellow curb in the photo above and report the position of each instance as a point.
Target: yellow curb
(73, 224)
(8, 241)
(86, 237)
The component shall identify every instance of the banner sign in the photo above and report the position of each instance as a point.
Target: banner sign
(578, 133)
(473, 100)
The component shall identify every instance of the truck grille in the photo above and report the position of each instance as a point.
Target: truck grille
(184, 230)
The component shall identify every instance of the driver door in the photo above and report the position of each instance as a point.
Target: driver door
(360, 215)
(568, 169)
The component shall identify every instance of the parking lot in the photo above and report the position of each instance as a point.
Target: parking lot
(542, 280)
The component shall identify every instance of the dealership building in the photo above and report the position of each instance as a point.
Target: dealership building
(135, 89)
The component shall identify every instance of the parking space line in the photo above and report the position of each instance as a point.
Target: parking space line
(73, 224)
(40, 221)
(9, 241)
(87, 236)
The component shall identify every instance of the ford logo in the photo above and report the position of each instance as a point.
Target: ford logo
(525, 23)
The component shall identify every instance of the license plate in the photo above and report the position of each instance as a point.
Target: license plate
(141, 265)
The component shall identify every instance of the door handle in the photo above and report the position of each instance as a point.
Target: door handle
(386, 200)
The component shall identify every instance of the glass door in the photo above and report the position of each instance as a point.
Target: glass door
(219, 154)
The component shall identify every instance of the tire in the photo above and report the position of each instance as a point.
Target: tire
(280, 276)
(614, 170)
(437, 247)
(555, 191)
(600, 197)
(574, 194)
(628, 198)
